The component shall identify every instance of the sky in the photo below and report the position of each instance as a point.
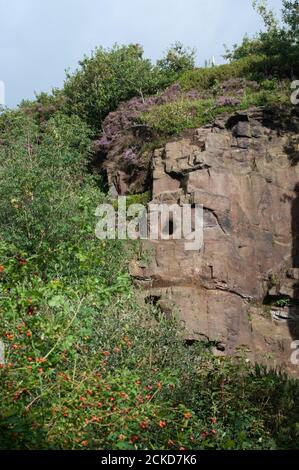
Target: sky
(40, 39)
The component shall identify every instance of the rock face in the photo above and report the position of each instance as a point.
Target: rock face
(118, 150)
(240, 169)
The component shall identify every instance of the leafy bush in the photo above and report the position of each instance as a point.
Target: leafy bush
(87, 367)
(253, 67)
(178, 59)
(44, 106)
(271, 94)
(44, 193)
(107, 78)
(205, 78)
(278, 44)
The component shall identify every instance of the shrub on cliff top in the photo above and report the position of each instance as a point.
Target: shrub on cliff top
(255, 67)
(278, 43)
(178, 59)
(174, 117)
(111, 76)
(108, 77)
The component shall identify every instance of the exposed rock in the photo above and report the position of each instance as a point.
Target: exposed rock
(242, 169)
(236, 86)
(293, 273)
(119, 147)
(242, 129)
(251, 211)
(227, 101)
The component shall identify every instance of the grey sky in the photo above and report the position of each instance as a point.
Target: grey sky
(39, 39)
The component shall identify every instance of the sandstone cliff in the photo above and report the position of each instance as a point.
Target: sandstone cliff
(241, 290)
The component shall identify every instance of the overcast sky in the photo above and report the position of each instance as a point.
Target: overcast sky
(39, 39)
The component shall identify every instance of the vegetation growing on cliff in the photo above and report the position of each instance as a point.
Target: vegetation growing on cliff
(114, 75)
(87, 366)
(278, 45)
(173, 118)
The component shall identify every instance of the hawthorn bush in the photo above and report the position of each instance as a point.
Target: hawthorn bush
(111, 76)
(178, 59)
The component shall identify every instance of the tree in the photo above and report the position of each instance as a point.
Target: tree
(278, 44)
(268, 15)
(178, 59)
(106, 78)
(291, 17)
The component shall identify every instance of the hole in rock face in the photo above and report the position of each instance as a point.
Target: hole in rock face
(169, 228)
(235, 119)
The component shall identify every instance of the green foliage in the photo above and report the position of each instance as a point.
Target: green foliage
(44, 106)
(271, 94)
(107, 78)
(205, 78)
(142, 198)
(87, 367)
(283, 302)
(253, 67)
(290, 14)
(178, 59)
(44, 192)
(268, 16)
(111, 76)
(278, 44)
(173, 118)
(261, 68)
